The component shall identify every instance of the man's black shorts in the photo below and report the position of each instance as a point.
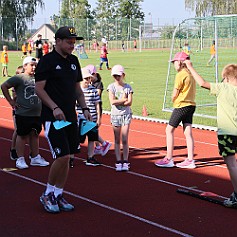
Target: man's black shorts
(63, 141)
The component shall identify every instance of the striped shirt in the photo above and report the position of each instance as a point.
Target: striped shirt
(92, 98)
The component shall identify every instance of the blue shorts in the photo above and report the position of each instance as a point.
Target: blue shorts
(63, 141)
(104, 60)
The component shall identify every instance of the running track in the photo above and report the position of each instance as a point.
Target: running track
(142, 202)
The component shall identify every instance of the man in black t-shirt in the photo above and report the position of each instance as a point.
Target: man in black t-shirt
(58, 77)
(39, 47)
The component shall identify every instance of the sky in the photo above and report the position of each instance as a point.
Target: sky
(157, 11)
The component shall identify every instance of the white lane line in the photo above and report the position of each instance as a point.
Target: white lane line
(106, 207)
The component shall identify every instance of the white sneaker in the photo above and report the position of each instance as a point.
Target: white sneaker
(21, 164)
(118, 166)
(38, 161)
(98, 151)
(105, 148)
(125, 167)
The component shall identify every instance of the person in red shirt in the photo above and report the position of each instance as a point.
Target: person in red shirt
(45, 47)
(103, 56)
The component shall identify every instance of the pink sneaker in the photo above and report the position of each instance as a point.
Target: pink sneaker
(187, 164)
(97, 151)
(105, 148)
(165, 162)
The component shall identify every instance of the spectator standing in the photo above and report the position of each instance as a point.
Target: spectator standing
(39, 47)
(183, 99)
(4, 61)
(120, 97)
(104, 57)
(45, 47)
(27, 113)
(102, 146)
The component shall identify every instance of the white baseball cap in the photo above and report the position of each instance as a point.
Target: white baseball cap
(29, 60)
(85, 73)
(117, 70)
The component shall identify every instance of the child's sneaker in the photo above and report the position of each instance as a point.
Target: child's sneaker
(71, 162)
(92, 161)
(38, 161)
(105, 148)
(21, 163)
(13, 154)
(98, 150)
(231, 202)
(186, 164)
(118, 166)
(126, 166)
(165, 162)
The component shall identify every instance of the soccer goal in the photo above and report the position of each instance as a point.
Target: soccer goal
(200, 33)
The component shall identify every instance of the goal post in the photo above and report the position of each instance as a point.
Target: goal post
(199, 33)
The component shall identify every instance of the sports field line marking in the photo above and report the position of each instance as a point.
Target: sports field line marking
(147, 133)
(141, 219)
(141, 175)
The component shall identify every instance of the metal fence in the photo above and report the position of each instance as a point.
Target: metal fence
(156, 33)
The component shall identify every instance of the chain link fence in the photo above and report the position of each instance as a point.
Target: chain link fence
(156, 33)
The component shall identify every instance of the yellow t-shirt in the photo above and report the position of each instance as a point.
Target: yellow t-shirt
(23, 48)
(186, 85)
(4, 57)
(212, 50)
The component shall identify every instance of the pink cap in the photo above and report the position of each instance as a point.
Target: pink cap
(91, 68)
(181, 56)
(117, 70)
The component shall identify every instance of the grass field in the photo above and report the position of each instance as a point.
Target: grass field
(146, 72)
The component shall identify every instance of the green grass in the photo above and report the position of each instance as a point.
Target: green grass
(146, 72)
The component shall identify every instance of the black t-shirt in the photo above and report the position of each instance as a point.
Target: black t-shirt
(61, 75)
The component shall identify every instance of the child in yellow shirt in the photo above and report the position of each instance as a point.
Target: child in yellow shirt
(4, 61)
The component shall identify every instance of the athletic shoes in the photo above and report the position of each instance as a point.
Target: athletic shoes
(92, 161)
(49, 202)
(118, 166)
(186, 164)
(38, 161)
(13, 154)
(63, 204)
(98, 150)
(122, 167)
(125, 166)
(105, 148)
(21, 164)
(231, 202)
(165, 162)
(71, 162)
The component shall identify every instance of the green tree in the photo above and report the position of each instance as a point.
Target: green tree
(76, 13)
(212, 7)
(15, 14)
(130, 9)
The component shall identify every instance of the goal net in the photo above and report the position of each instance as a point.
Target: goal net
(199, 34)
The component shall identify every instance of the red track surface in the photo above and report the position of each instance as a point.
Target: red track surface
(139, 203)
